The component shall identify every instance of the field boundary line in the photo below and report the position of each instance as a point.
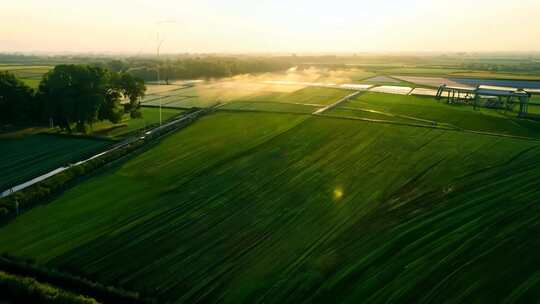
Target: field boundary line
(335, 104)
(391, 122)
(389, 114)
(456, 129)
(158, 131)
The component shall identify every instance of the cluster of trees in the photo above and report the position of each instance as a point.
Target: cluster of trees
(517, 66)
(71, 95)
(207, 67)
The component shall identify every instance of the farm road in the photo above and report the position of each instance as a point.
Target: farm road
(335, 104)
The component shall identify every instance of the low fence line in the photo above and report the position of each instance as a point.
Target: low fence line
(151, 134)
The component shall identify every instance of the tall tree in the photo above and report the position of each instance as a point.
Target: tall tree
(80, 95)
(16, 100)
(132, 88)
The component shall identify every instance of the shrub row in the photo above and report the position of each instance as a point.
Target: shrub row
(16, 289)
(67, 282)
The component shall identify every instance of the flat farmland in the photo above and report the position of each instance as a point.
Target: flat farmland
(29, 74)
(270, 107)
(241, 94)
(150, 116)
(29, 156)
(312, 96)
(264, 207)
(454, 115)
(207, 94)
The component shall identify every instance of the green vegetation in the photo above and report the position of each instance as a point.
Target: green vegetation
(28, 272)
(316, 95)
(385, 198)
(128, 125)
(246, 207)
(372, 115)
(210, 67)
(70, 95)
(97, 93)
(30, 75)
(460, 116)
(15, 100)
(25, 289)
(29, 156)
(311, 96)
(205, 95)
(306, 100)
(270, 107)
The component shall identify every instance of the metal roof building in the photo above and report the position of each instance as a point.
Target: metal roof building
(505, 95)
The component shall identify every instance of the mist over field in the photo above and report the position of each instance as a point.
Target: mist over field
(269, 151)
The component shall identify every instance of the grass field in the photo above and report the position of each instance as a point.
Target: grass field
(29, 74)
(270, 107)
(29, 156)
(461, 116)
(225, 92)
(434, 71)
(263, 207)
(128, 125)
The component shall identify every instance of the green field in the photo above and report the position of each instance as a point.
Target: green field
(29, 74)
(450, 71)
(460, 116)
(211, 94)
(270, 107)
(304, 101)
(316, 95)
(150, 116)
(26, 157)
(263, 207)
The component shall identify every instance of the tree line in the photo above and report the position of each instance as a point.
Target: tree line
(71, 96)
(197, 68)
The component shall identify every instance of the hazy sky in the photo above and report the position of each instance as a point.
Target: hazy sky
(269, 25)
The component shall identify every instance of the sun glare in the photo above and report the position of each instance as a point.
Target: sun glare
(338, 194)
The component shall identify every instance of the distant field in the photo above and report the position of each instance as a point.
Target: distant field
(314, 96)
(278, 208)
(396, 90)
(461, 116)
(150, 116)
(208, 95)
(382, 79)
(32, 155)
(421, 71)
(498, 82)
(496, 75)
(347, 112)
(270, 107)
(29, 74)
(358, 74)
(425, 71)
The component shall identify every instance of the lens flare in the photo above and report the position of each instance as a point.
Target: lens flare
(338, 194)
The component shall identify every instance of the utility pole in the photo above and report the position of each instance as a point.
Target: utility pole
(160, 42)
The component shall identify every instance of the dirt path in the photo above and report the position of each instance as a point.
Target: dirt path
(335, 104)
